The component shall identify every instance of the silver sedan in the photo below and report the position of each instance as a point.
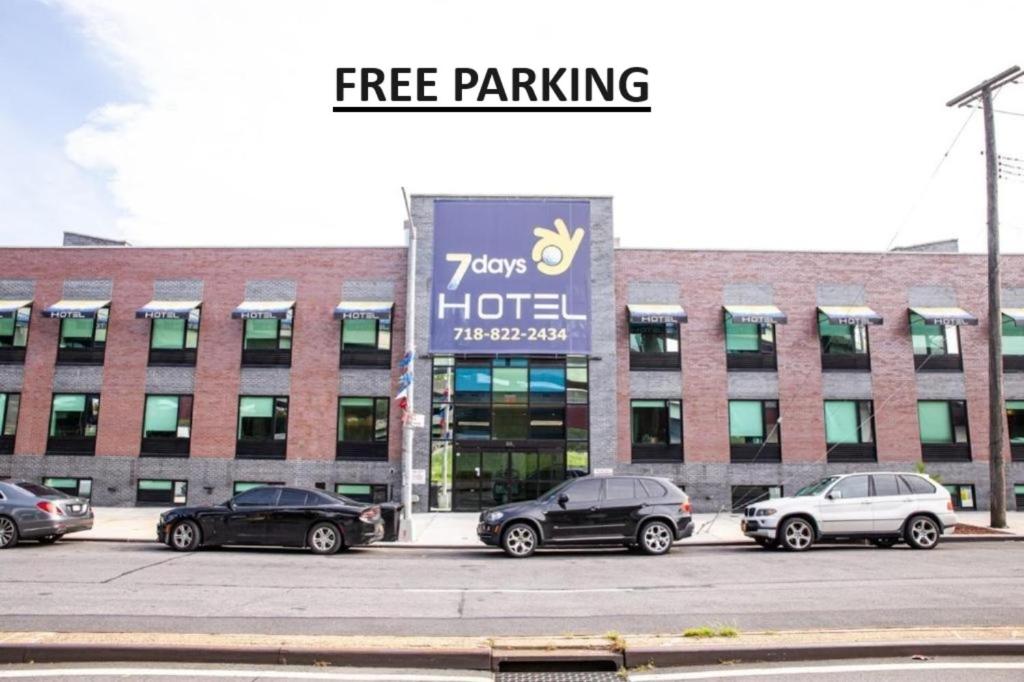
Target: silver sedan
(29, 511)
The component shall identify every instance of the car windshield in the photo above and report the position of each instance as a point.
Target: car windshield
(551, 494)
(39, 490)
(816, 488)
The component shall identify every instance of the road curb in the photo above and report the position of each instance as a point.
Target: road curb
(995, 537)
(490, 658)
(685, 656)
(459, 658)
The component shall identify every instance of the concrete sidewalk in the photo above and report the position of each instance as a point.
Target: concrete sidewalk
(454, 529)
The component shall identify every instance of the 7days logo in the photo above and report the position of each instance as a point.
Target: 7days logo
(553, 254)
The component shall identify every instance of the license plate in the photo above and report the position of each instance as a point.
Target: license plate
(76, 508)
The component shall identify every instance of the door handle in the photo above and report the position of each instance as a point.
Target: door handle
(866, 502)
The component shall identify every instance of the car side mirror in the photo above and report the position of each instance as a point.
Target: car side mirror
(835, 495)
(562, 500)
(230, 504)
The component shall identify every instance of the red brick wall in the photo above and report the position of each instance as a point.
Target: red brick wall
(702, 277)
(319, 274)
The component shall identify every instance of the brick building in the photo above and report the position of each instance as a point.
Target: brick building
(165, 375)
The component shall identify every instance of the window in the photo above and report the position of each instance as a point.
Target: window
(167, 424)
(747, 337)
(85, 332)
(262, 426)
(849, 421)
(175, 333)
(363, 428)
(754, 432)
(263, 496)
(743, 495)
(9, 408)
(584, 491)
(240, 487)
(962, 495)
(917, 485)
(73, 421)
(654, 346)
(886, 485)
(1013, 337)
(366, 343)
(841, 339)
(850, 487)
(14, 328)
(370, 493)
(268, 341)
(159, 491)
(1015, 428)
(1018, 495)
(942, 421)
(657, 430)
(76, 487)
(290, 497)
(619, 489)
(936, 347)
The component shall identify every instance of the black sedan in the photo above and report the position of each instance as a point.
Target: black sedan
(274, 515)
(639, 512)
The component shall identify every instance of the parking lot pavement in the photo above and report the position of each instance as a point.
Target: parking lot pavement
(104, 587)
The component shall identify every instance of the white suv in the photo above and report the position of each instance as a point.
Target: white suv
(884, 507)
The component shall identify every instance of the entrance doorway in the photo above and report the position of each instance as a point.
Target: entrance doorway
(487, 477)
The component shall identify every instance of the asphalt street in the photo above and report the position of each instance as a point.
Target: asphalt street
(106, 587)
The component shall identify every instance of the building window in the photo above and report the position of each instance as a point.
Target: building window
(1018, 494)
(83, 340)
(160, 491)
(749, 345)
(9, 407)
(657, 430)
(173, 341)
(843, 346)
(14, 333)
(754, 431)
(167, 425)
(366, 343)
(943, 428)
(850, 431)
(1015, 428)
(363, 429)
(76, 487)
(370, 493)
(268, 341)
(73, 421)
(744, 495)
(262, 427)
(936, 346)
(240, 487)
(962, 495)
(1013, 342)
(654, 345)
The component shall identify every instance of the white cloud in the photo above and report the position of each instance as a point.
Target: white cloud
(796, 125)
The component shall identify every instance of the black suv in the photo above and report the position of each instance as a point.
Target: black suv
(639, 512)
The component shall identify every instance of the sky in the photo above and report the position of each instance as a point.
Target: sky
(782, 125)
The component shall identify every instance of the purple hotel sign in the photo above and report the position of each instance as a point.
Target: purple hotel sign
(511, 277)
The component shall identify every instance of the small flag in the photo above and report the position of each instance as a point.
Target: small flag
(402, 393)
(406, 359)
(405, 380)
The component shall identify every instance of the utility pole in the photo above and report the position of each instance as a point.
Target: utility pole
(997, 411)
(408, 428)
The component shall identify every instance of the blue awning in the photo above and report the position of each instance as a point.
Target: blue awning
(364, 310)
(77, 309)
(756, 314)
(172, 310)
(8, 307)
(653, 313)
(263, 310)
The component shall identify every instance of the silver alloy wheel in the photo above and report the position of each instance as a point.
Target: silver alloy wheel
(324, 539)
(6, 531)
(924, 532)
(520, 540)
(657, 538)
(183, 536)
(799, 534)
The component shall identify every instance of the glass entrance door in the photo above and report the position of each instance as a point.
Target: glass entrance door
(488, 478)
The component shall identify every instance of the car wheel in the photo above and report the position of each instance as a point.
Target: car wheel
(519, 540)
(884, 543)
(50, 539)
(922, 532)
(796, 534)
(185, 536)
(656, 538)
(324, 538)
(8, 532)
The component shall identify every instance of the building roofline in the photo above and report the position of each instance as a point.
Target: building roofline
(932, 254)
(551, 197)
